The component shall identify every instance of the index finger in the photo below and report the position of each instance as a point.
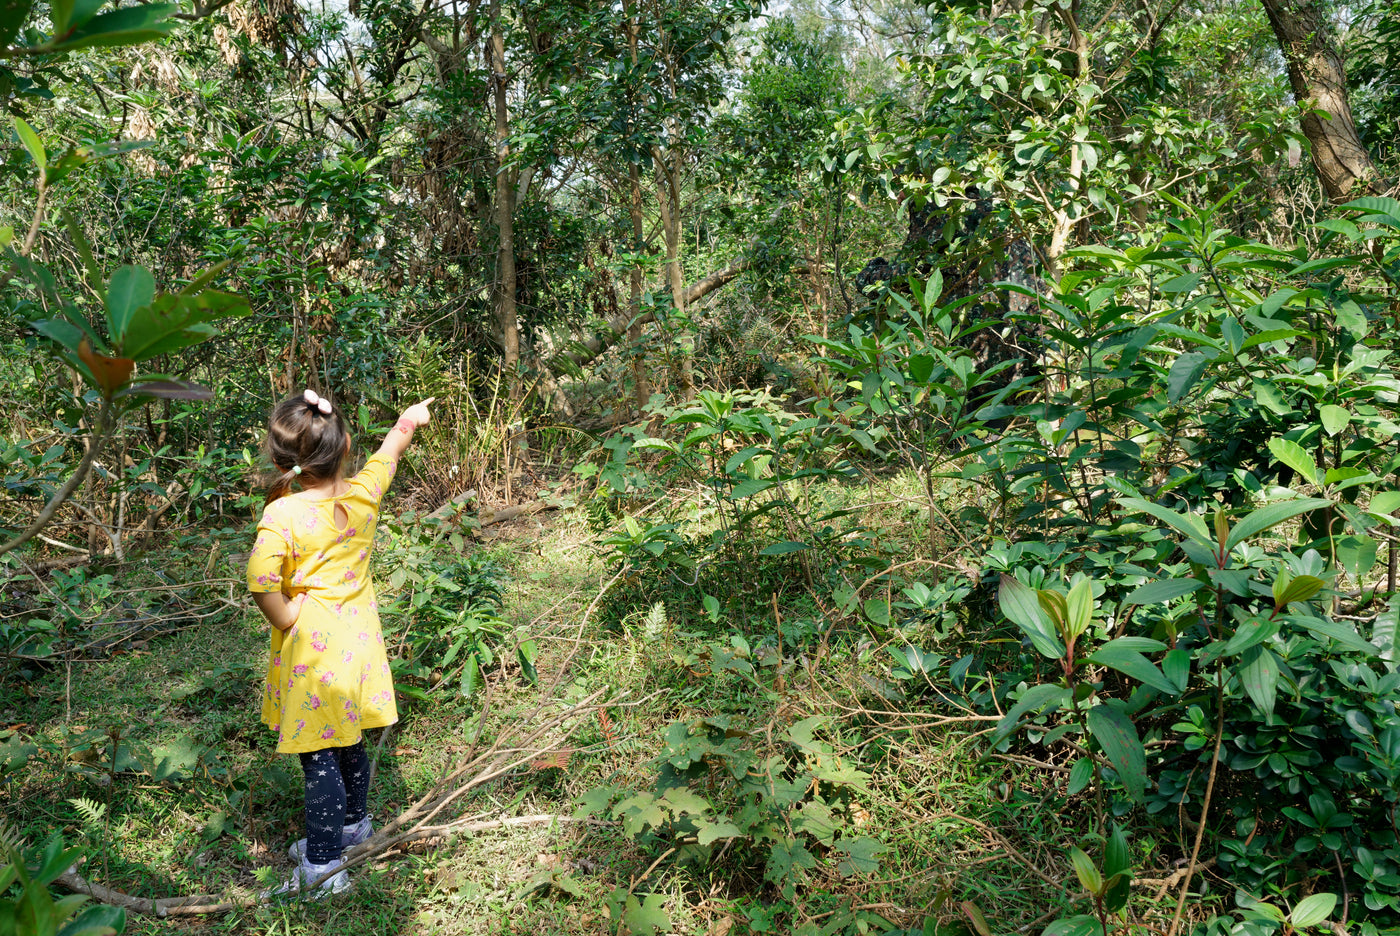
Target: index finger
(429, 400)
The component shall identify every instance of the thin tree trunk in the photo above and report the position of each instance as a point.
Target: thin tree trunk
(668, 195)
(505, 213)
(1316, 74)
(641, 383)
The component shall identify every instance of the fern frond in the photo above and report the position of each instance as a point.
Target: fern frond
(10, 839)
(91, 810)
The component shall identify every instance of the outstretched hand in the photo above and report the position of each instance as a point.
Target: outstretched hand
(418, 413)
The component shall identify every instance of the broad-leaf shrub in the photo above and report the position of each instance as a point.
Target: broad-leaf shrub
(1208, 460)
(780, 816)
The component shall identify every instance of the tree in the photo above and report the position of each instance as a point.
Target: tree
(1317, 75)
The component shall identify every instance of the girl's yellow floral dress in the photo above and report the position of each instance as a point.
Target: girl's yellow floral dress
(327, 675)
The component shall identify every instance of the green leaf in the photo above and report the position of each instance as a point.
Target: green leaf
(125, 26)
(1022, 607)
(1079, 607)
(1080, 775)
(862, 855)
(31, 142)
(786, 862)
(750, 487)
(1336, 631)
(1132, 663)
(1119, 739)
(1271, 515)
(1377, 205)
(1185, 371)
(783, 548)
(1384, 503)
(1294, 456)
(1298, 589)
(131, 288)
(1312, 910)
(1034, 699)
(921, 368)
(1189, 525)
(1089, 877)
(1385, 633)
(1176, 666)
(1334, 418)
(1251, 632)
(707, 832)
(1162, 590)
(97, 920)
(172, 322)
(647, 916)
(1258, 674)
(1116, 858)
(12, 16)
(471, 675)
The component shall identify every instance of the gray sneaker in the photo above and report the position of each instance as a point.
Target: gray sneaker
(299, 884)
(350, 835)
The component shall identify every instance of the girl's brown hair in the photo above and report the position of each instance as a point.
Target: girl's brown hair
(300, 436)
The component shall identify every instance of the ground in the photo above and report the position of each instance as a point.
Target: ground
(957, 828)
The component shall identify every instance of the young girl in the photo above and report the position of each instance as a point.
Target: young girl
(327, 676)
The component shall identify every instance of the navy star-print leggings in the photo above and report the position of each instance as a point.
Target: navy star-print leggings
(337, 786)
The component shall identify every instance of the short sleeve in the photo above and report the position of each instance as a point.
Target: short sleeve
(266, 559)
(376, 476)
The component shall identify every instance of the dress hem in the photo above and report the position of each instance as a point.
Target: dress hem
(336, 742)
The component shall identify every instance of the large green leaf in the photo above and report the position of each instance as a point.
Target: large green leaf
(1162, 590)
(647, 916)
(1188, 525)
(172, 322)
(12, 17)
(1185, 371)
(1079, 607)
(1034, 699)
(1312, 910)
(126, 26)
(31, 142)
(1089, 877)
(1294, 456)
(1258, 674)
(1117, 867)
(1118, 737)
(130, 288)
(1130, 662)
(1022, 607)
(1385, 633)
(1251, 632)
(1271, 515)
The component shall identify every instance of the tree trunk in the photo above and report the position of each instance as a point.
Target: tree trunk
(1316, 73)
(641, 383)
(669, 196)
(505, 214)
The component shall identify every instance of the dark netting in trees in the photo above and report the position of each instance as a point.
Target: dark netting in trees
(969, 243)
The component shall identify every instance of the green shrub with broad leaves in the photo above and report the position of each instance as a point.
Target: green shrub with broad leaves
(1189, 505)
(780, 816)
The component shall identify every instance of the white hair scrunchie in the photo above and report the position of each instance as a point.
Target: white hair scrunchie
(319, 403)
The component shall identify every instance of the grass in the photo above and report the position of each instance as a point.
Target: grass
(956, 826)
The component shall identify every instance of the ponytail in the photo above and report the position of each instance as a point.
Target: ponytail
(280, 487)
(307, 440)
